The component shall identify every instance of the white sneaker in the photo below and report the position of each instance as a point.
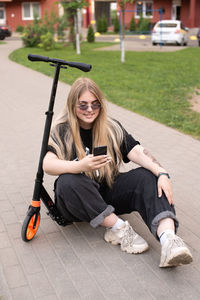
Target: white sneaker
(129, 240)
(174, 252)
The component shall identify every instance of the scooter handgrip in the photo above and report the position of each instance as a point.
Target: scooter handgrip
(34, 57)
(81, 66)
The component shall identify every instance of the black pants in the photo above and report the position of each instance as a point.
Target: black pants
(81, 199)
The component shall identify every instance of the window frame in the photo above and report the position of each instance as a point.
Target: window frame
(31, 6)
(144, 8)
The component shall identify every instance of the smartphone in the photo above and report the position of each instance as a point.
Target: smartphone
(102, 150)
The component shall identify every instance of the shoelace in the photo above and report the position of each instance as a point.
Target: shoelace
(129, 235)
(175, 241)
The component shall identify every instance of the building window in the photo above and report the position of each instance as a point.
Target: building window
(30, 9)
(144, 9)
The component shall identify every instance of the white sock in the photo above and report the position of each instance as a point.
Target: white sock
(163, 236)
(117, 225)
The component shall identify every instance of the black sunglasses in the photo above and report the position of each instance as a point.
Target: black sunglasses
(94, 106)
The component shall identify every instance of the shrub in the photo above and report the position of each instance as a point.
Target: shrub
(132, 26)
(19, 28)
(116, 24)
(62, 25)
(72, 37)
(49, 22)
(47, 41)
(90, 35)
(31, 35)
(99, 25)
(143, 25)
(104, 24)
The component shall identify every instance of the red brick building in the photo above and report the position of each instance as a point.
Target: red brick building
(188, 11)
(21, 12)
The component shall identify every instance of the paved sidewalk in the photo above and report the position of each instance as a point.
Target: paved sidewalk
(74, 262)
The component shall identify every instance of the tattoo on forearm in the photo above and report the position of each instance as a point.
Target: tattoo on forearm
(147, 153)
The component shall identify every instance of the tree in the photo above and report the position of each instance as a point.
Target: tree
(105, 24)
(74, 8)
(90, 35)
(122, 5)
(132, 26)
(116, 24)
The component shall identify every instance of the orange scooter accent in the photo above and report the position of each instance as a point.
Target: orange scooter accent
(31, 230)
(35, 203)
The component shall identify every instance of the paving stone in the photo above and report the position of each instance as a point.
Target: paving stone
(15, 276)
(44, 252)
(57, 240)
(2, 226)
(4, 289)
(5, 241)
(48, 225)
(61, 281)
(9, 217)
(40, 284)
(8, 257)
(49, 297)
(5, 206)
(30, 262)
(22, 293)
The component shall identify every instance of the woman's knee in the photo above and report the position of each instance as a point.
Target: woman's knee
(68, 181)
(74, 182)
(145, 175)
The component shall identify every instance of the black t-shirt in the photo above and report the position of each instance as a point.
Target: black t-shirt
(126, 146)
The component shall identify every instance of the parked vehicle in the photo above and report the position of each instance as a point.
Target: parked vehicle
(4, 32)
(169, 32)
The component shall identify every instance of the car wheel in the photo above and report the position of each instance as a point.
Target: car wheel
(154, 44)
(2, 37)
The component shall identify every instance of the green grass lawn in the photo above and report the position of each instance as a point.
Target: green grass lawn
(156, 85)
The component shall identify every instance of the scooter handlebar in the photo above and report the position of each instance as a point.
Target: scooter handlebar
(34, 57)
(81, 66)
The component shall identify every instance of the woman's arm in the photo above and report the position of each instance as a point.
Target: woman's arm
(142, 157)
(52, 165)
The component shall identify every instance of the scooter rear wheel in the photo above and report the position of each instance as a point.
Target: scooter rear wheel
(28, 231)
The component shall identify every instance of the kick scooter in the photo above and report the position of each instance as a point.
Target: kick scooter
(32, 219)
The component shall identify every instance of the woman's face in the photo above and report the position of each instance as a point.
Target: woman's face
(87, 109)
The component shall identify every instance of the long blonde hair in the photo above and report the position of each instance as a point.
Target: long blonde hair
(105, 131)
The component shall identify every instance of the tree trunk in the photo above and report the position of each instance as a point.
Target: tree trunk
(78, 51)
(122, 37)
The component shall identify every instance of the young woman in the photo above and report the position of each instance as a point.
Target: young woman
(92, 189)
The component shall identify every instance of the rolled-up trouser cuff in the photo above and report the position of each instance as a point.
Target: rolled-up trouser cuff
(159, 217)
(100, 218)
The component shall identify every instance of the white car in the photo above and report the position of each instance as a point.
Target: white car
(169, 32)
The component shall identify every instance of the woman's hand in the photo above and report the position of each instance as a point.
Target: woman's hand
(91, 162)
(164, 185)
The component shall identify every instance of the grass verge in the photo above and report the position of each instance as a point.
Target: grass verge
(156, 85)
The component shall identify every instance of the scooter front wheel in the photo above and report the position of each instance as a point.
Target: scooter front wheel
(28, 229)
